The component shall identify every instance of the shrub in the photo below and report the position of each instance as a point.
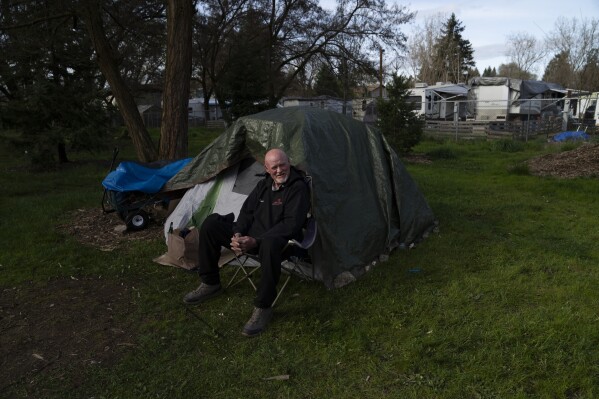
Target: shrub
(507, 146)
(396, 117)
(569, 146)
(442, 153)
(521, 169)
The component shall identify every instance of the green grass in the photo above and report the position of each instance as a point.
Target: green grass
(501, 303)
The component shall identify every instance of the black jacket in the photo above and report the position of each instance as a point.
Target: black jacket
(282, 213)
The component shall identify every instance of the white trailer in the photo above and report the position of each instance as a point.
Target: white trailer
(587, 107)
(416, 97)
(196, 109)
(441, 101)
(500, 98)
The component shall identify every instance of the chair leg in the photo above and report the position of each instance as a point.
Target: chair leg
(247, 275)
(281, 290)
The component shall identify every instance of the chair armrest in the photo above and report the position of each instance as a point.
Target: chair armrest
(309, 235)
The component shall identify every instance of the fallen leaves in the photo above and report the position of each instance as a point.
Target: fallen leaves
(105, 231)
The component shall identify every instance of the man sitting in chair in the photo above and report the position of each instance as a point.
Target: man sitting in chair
(272, 214)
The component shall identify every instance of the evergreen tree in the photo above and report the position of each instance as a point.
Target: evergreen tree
(512, 70)
(559, 70)
(327, 83)
(453, 52)
(246, 84)
(489, 72)
(590, 72)
(397, 118)
(473, 73)
(51, 86)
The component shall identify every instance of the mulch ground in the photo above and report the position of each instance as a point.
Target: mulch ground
(106, 231)
(580, 162)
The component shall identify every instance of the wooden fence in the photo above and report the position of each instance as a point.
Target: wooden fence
(516, 130)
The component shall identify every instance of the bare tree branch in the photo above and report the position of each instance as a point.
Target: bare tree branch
(37, 21)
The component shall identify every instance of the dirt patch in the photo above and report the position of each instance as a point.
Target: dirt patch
(580, 162)
(106, 231)
(61, 329)
(416, 158)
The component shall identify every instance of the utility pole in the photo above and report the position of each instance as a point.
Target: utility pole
(381, 51)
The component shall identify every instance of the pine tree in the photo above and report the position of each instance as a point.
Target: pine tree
(559, 70)
(396, 117)
(327, 83)
(50, 86)
(453, 52)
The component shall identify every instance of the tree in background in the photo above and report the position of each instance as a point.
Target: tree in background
(299, 35)
(327, 83)
(396, 117)
(311, 32)
(489, 72)
(577, 44)
(349, 66)
(559, 70)
(52, 88)
(244, 84)
(54, 117)
(590, 71)
(107, 46)
(453, 51)
(128, 42)
(175, 99)
(420, 58)
(472, 73)
(512, 70)
(215, 27)
(524, 53)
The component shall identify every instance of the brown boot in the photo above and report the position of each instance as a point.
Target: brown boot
(202, 293)
(257, 323)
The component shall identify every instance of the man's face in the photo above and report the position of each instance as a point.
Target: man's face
(277, 166)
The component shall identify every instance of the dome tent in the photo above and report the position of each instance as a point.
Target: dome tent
(363, 199)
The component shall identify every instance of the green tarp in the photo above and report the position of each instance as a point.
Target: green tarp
(364, 201)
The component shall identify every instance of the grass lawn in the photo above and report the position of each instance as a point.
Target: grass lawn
(501, 303)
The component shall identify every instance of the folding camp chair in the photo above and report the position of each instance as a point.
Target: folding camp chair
(292, 264)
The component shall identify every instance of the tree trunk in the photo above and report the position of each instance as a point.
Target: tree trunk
(62, 153)
(207, 94)
(145, 150)
(175, 100)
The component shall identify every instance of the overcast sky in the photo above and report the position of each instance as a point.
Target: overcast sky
(488, 23)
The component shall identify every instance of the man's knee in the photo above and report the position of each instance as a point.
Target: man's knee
(216, 221)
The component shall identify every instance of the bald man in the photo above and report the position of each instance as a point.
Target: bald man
(272, 214)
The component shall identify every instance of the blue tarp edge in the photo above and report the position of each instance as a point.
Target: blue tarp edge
(574, 135)
(131, 176)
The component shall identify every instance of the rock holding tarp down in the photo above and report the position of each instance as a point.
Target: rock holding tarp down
(364, 200)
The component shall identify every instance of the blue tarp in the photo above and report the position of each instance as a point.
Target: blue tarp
(131, 176)
(576, 135)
